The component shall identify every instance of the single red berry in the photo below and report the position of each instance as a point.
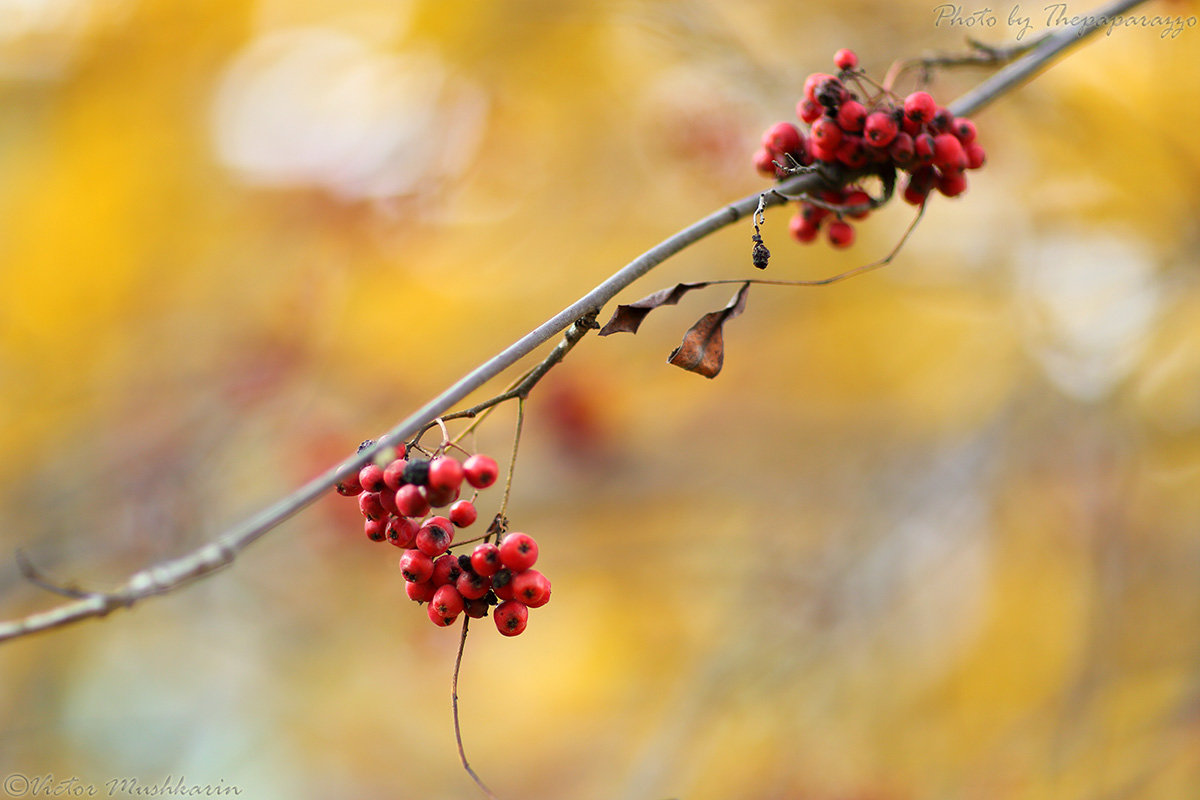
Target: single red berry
(880, 128)
(851, 116)
(920, 106)
(481, 471)
(446, 569)
(387, 499)
(901, 150)
(809, 111)
(371, 478)
(952, 182)
(852, 153)
(964, 129)
(820, 153)
(420, 592)
(502, 584)
(411, 501)
(531, 587)
(518, 551)
(924, 148)
(393, 474)
(812, 84)
(445, 472)
(435, 536)
(447, 601)
(782, 137)
(813, 214)
(826, 133)
(472, 585)
(511, 617)
(803, 230)
(909, 126)
(919, 185)
(415, 566)
(476, 609)
(948, 153)
(841, 233)
(369, 505)
(845, 59)
(463, 513)
(858, 198)
(376, 529)
(440, 498)
(441, 620)
(941, 121)
(764, 163)
(976, 156)
(485, 559)
(402, 532)
(349, 486)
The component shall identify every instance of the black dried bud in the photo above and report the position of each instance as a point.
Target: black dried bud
(417, 473)
(464, 562)
(761, 255)
(491, 599)
(365, 444)
(502, 578)
(829, 94)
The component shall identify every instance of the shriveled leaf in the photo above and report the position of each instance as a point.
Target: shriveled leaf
(629, 316)
(703, 348)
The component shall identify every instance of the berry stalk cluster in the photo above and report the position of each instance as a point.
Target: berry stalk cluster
(397, 504)
(869, 131)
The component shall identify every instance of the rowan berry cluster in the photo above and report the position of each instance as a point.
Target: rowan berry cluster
(864, 132)
(397, 502)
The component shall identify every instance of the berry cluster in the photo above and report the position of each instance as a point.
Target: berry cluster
(868, 132)
(397, 502)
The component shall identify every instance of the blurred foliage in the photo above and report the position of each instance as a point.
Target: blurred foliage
(932, 533)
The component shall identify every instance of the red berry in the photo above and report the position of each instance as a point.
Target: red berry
(411, 501)
(441, 620)
(813, 83)
(948, 152)
(387, 499)
(920, 106)
(851, 152)
(841, 233)
(371, 478)
(809, 111)
(481, 471)
(822, 153)
(421, 592)
(924, 148)
(826, 133)
(803, 230)
(472, 586)
(485, 559)
(435, 536)
(402, 532)
(975, 155)
(446, 569)
(440, 498)
(880, 128)
(964, 129)
(851, 116)
(445, 473)
(393, 474)
(941, 121)
(532, 588)
(845, 59)
(463, 513)
(764, 163)
(415, 566)
(858, 198)
(349, 486)
(901, 150)
(782, 137)
(502, 584)
(476, 609)
(376, 529)
(511, 617)
(446, 601)
(369, 505)
(919, 185)
(518, 551)
(952, 182)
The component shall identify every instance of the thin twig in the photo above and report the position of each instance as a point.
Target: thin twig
(462, 753)
(169, 575)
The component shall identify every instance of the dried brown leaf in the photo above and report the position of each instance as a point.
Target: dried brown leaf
(629, 316)
(703, 348)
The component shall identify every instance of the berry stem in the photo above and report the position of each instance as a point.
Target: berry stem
(462, 753)
(512, 462)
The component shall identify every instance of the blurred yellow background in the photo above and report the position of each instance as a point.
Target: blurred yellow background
(933, 533)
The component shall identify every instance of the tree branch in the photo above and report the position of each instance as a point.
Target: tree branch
(174, 573)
